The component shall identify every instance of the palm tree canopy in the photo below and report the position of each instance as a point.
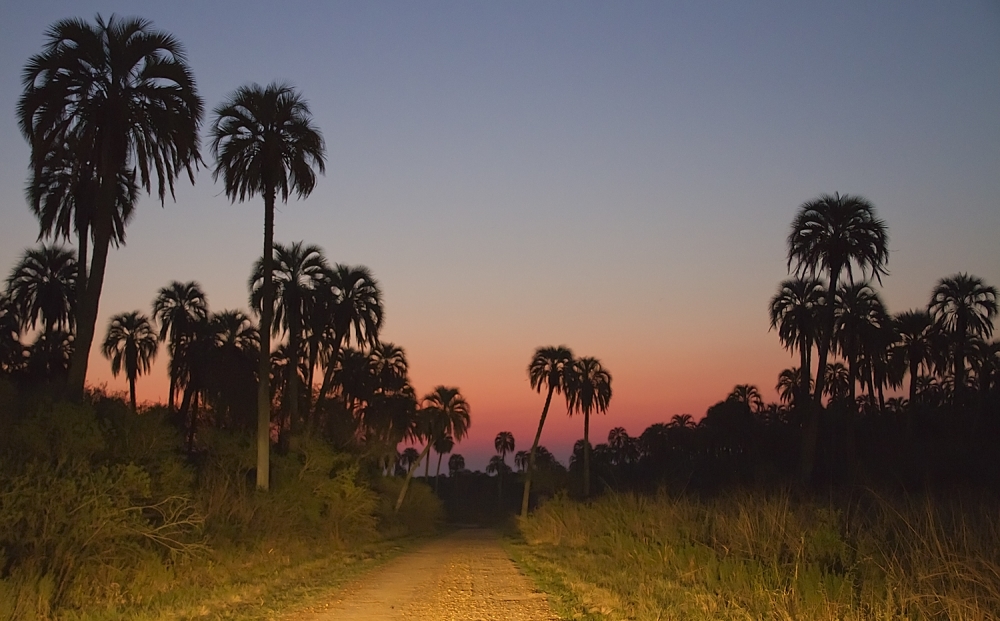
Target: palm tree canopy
(964, 301)
(353, 299)
(836, 232)
(116, 88)
(298, 271)
(795, 311)
(43, 286)
(456, 463)
(264, 141)
(548, 368)
(589, 387)
(178, 307)
(504, 443)
(444, 444)
(447, 414)
(130, 344)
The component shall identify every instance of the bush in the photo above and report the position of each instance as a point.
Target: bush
(421, 513)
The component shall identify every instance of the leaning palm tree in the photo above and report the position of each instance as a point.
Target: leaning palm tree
(795, 311)
(178, 307)
(588, 390)
(445, 412)
(831, 235)
(298, 271)
(42, 286)
(130, 345)
(963, 306)
(548, 369)
(122, 98)
(265, 143)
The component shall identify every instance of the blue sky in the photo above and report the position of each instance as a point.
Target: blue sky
(618, 177)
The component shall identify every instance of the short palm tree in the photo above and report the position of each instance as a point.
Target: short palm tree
(178, 307)
(748, 395)
(831, 235)
(503, 443)
(859, 313)
(913, 346)
(298, 271)
(121, 97)
(547, 370)
(456, 464)
(445, 412)
(408, 457)
(588, 390)
(265, 143)
(795, 311)
(42, 286)
(964, 307)
(131, 346)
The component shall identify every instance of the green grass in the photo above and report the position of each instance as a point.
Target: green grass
(756, 556)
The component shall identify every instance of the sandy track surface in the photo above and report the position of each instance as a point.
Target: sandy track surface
(463, 576)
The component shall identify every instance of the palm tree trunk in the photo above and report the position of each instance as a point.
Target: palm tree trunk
(531, 456)
(328, 372)
(959, 370)
(586, 454)
(427, 464)
(810, 434)
(409, 475)
(264, 369)
(294, 336)
(131, 392)
(913, 381)
(437, 473)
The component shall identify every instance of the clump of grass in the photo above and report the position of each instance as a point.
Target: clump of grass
(774, 556)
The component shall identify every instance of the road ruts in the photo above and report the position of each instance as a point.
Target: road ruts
(464, 576)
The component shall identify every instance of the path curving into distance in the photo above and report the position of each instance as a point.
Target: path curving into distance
(464, 576)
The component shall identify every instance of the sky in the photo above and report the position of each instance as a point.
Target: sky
(617, 177)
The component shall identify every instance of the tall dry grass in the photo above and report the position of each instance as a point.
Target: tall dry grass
(774, 556)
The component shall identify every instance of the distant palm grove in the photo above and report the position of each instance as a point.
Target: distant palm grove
(905, 401)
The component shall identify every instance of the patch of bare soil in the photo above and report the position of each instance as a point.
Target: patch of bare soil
(463, 576)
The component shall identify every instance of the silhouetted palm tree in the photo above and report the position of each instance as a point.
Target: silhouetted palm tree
(837, 382)
(749, 396)
(42, 286)
(503, 443)
(588, 389)
(408, 457)
(442, 446)
(445, 412)
(830, 235)
(456, 464)
(547, 370)
(121, 97)
(796, 311)
(963, 306)
(913, 346)
(178, 307)
(350, 303)
(12, 351)
(265, 143)
(130, 345)
(859, 313)
(298, 272)
(521, 460)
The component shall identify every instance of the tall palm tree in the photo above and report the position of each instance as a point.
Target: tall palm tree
(503, 443)
(445, 412)
(178, 307)
(963, 306)
(298, 271)
(351, 303)
(913, 346)
(130, 345)
(548, 369)
(588, 390)
(831, 235)
(265, 143)
(42, 286)
(795, 311)
(122, 98)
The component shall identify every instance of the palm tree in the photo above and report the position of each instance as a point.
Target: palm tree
(548, 369)
(43, 286)
(749, 396)
(178, 307)
(859, 313)
(121, 97)
(829, 235)
(795, 311)
(408, 457)
(963, 306)
(11, 350)
(445, 412)
(264, 143)
(442, 446)
(350, 299)
(456, 464)
(503, 443)
(789, 386)
(588, 390)
(298, 272)
(521, 461)
(837, 382)
(231, 372)
(130, 345)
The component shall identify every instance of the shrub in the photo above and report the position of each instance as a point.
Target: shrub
(421, 513)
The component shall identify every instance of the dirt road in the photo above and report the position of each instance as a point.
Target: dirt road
(463, 576)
